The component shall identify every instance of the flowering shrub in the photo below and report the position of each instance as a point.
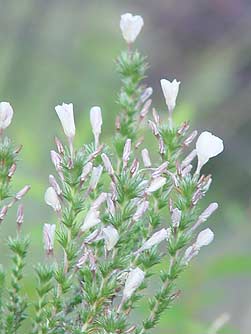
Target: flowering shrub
(120, 210)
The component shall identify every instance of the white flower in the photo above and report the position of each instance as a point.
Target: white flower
(48, 236)
(133, 281)
(111, 237)
(96, 174)
(6, 114)
(146, 158)
(156, 184)
(141, 209)
(51, 198)
(107, 163)
(130, 26)
(96, 123)
(176, 217)
(170, 91)
(66, 116)
(207, 146)
(91, 219)
(155, 239)
(204, 238)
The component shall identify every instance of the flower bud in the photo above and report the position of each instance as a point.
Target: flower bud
(185, 171)
(141, 209)
(6, 114)
(156, 184)
(204, 238)
(160, 170)
(107, 164)
(154, 128)
(59, 145)
(96, 174)
(96, 123)
(86, 171)
(48, 236)
(207, 213)
(12, 170)
(56, 160)
(155, 239)
(110, 204)
(170, 91)
(190, 138)
(190, 253)
(22, 192)
(156, 116)
(91, 219)
(133, 281)
(55, 185)
(20, 215)
(51, 198)
(189, 159)
(146, 158)
(66, 116)
(111, 237)
(145, 108)
(207, 146)
(3, 212)
(134, 167)
(144, 96)
(176, 217)
(99, 201)
(130, 26)
(126, 152)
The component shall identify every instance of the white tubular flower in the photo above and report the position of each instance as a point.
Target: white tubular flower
(111, 237)
(146, 158)
(133, 281)
(51, 198)
(130, 26)
(207, 146)
(48, 236)
(204, 238)
(170, 91)
(176, 217)
(91, 219)
(155, 239)
(156, 184)
(66, 116)
(107, 164)
(96, 123)
(96, 174)
(6, 114)
(141, 209)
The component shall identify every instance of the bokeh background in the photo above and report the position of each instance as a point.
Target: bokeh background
(63, 51)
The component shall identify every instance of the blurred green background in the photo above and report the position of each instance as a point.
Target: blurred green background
(64, 51)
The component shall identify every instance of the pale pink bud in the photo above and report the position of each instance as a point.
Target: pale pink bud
(185, 171)
(20, 215)
(155, 239)
(130, 26)
(117, 123)
(183, 128)
(56, 160)
(48, 236)
(133, 281)
(12, 170)
(170, 91)
(110, 204)
(59, 145)
(107, 164)
(156, 116)
(144, 96)
(160, 170)
(154, 128)
(66, 116)
(86, 171)
(22, 192)
(208, 212)
(156, 184)
(96, 235)
(3, 212)
(146, 158)
(190, 253)
(190, 138)
(99, 201)
(96, 174)
(134, 167)
(111, 237)
(51, 198)
(162, 149)
(176, 217)
(127, 152)
(91, 219)
(141, 209)
(6, 114)
(82, 260)
(96, 123)
(189, 159)
(55, 185)
(145, 108)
